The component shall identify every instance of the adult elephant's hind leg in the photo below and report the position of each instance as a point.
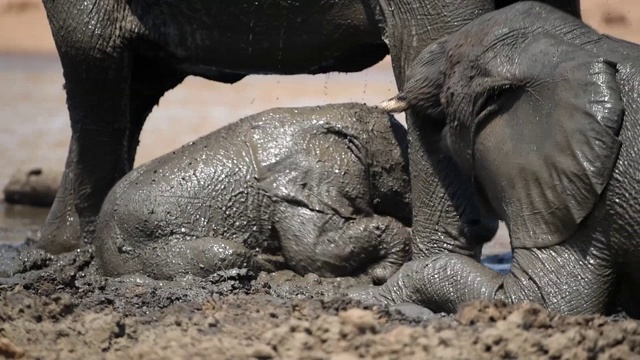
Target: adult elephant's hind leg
(97, 87)
(150, 80)
(61, 231)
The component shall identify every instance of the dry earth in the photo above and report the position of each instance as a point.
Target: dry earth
(58, 307)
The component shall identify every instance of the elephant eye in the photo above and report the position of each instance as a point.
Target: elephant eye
(491, 100)
(486, 101)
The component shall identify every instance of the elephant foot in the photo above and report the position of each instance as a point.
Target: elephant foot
(367, 295)
(381, 272)
(371, 295)
(413, 312)
(61, 231)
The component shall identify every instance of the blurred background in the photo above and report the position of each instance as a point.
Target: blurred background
(34, 126)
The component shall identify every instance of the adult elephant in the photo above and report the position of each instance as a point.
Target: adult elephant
(542, 115)
(119, 57)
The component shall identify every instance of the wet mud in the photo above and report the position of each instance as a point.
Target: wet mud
(60, 307)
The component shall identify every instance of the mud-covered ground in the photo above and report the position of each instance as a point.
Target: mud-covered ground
(59, 308)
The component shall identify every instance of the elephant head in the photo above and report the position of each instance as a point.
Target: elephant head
(531, 118)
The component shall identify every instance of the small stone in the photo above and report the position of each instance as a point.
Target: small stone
(9, 349)
(262, 351)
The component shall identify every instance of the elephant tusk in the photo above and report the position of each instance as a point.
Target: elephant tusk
(394, 105)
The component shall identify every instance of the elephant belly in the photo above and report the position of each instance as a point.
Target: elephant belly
(281, 37)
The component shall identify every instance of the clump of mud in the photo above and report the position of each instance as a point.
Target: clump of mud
(59, 307)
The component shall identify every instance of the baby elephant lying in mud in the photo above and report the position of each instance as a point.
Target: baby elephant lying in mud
(325, 187)
(543, 114)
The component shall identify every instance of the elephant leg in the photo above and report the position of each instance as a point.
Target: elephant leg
(61, 231)
(567, 279)
(150, 81)
(167, 259)
(441, 283)
(393, 242)
(445, 216)
(329, 245)
(97, 100)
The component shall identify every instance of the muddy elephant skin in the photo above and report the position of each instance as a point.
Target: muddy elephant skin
(119, 57)
(542, 115)
(326, 187)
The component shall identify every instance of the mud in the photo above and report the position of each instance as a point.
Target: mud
(59, 307)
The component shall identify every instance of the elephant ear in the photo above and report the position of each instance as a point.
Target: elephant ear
(303, 178)
(548, 151)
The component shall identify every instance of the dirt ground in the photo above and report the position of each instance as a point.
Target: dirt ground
(60, 308)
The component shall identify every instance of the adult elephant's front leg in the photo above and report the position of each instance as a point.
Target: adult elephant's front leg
(90, 37)
(97, 98)
(445, 219)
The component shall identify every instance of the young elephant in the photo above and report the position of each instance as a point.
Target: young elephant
(326, 187)
(542, 113)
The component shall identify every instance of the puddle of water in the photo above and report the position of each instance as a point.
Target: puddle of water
(18, 222)
(19, 216)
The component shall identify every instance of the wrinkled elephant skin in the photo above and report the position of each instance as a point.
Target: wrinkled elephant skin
(326, 187)
(119, 58)
(542, 114)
